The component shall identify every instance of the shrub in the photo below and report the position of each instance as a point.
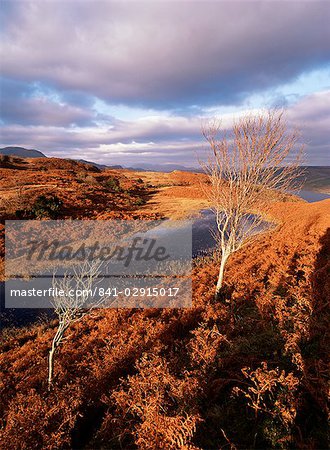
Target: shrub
(91, 180)
(22, 214)
(46, 207)
(112, 184)
(4, 159)
(8, 160)
(140, 201)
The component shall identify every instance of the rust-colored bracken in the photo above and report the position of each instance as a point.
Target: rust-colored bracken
(248, 371)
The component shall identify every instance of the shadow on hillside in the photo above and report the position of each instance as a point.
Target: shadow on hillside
(256, 338)
(13, 162)
(312, 414)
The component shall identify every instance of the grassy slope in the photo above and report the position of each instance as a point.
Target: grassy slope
(249, 370)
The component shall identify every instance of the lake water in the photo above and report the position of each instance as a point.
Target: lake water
(311, 196)
(202, 243)
(203, 229)
(203, 240)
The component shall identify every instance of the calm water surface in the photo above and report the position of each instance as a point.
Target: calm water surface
(312, 197)
(203, 243)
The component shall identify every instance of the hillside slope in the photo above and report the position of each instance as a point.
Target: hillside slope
(247, 371)
(78, 191)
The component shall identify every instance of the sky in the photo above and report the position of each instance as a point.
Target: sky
(131, 82)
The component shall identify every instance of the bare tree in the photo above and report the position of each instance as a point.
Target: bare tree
(72, 301)
(259, 156)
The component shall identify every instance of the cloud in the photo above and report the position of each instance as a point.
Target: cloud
(164, 54)
(163, 139)
(126, 82)
(311, 114)
(24, 103)
(156, 128)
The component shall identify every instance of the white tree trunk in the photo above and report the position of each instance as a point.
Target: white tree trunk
(50, 366)
(221, 273)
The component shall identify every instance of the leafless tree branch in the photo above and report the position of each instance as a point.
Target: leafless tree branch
(244, 168)
(72, 301)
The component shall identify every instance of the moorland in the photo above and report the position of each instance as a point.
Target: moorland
(249, 370)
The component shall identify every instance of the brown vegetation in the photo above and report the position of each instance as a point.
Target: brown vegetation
(57, 188)
(248, 371)
(86, 192)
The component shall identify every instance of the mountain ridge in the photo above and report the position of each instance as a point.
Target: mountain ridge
(315, 178)
(21, 152)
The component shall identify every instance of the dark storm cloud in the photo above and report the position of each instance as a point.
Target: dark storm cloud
(168, 54)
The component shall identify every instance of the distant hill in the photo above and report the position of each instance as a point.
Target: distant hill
(165, 168)
(145, 167)
(317, 178)
(99, 166)
(21, 152)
